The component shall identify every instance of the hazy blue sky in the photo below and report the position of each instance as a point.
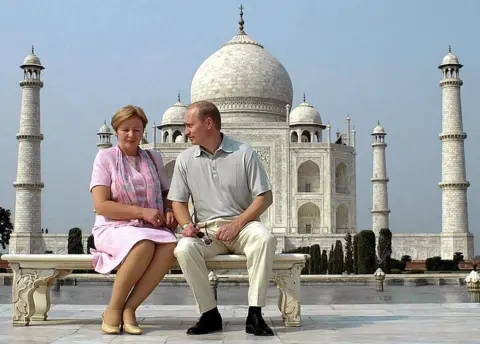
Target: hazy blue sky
(372, 59)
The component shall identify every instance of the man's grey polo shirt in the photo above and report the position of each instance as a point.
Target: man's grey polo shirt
(221, 185)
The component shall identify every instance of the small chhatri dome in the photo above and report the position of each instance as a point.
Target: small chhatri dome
(104, 129)
(378, 129)
(450, 59)
(305, 113)
(32, 60)
(175, 114)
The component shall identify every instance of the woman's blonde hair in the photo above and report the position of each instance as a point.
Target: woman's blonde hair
(125, 113)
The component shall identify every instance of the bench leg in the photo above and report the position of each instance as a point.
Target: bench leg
(25, 284)
(41, 295)
(288, 283)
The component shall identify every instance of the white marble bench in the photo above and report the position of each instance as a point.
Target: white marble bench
(34, 274)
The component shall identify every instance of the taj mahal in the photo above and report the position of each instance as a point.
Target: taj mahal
(312, 170)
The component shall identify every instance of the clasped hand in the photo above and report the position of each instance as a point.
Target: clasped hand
(155, 218)
(226, 232)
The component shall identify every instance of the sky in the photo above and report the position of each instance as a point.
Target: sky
(373, 60)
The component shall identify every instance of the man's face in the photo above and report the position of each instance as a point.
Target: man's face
(197, 130)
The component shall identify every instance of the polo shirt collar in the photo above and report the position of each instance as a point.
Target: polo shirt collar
(225, 146)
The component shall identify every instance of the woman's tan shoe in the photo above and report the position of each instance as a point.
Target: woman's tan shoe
(132, 329)
(109, 329)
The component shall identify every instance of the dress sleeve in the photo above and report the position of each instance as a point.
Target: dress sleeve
(101, 173)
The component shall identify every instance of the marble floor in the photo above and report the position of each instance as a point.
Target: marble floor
(338, 323)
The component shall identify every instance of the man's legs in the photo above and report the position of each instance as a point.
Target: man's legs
(191, 254)
(258, 243)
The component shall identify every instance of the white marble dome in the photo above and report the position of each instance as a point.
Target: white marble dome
(305, 113)
(104, 129)
(175, 115)
(245, 82)
(378, 129)
(450, 59)
(32, 60)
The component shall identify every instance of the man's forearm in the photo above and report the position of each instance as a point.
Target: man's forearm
(167, 204)
(257, 208)
(180, 210)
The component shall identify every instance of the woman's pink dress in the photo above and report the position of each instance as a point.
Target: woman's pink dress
(114, 239)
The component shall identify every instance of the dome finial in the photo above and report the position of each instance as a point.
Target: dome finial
(178, 96)
(304, 98)
(449, 48)
(33, 50)
(241, 22)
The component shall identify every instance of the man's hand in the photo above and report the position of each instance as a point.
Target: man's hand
(190, 231)
(170, 221)
(229, 231)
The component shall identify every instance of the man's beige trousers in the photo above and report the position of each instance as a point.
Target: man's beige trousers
(255, 241)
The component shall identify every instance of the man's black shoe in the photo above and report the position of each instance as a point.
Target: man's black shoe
(210, 321)
(257, 326)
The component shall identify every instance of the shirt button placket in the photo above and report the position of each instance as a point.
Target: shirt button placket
(214, 168)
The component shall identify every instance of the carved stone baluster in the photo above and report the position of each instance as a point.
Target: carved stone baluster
(41, 295)
(22, 289)
(288, 283)
(31, 293)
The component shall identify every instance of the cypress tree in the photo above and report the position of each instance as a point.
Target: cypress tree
(348, 253)
(317, 259)
(385, 249)
(90, 243)
(355, 254)
(75, 244)
(324, 266)
(367, 261)
(338, 258)
(311, 265)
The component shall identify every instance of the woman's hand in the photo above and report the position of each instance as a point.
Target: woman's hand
(153, 216)
(170, 220)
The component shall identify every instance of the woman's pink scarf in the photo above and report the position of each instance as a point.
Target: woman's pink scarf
(124, 186)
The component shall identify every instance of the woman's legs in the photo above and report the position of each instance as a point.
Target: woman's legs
(160, 264)
(127, 276)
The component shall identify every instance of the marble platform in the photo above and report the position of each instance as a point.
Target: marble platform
(339, 323)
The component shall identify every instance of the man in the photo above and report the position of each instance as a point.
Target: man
(229, 189)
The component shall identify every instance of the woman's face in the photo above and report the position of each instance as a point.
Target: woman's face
(129, 134)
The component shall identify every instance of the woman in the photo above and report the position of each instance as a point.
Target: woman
(134, 221)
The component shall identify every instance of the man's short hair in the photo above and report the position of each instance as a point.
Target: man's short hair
(207, 109)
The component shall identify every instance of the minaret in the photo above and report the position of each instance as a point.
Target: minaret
(104, 136)
(154, 129)
(27, 236)
(380, 211)
(455, 233)
(354, 138)
(329, 133)
(347, 132)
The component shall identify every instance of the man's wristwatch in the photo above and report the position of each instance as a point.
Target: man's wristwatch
(185, 225)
